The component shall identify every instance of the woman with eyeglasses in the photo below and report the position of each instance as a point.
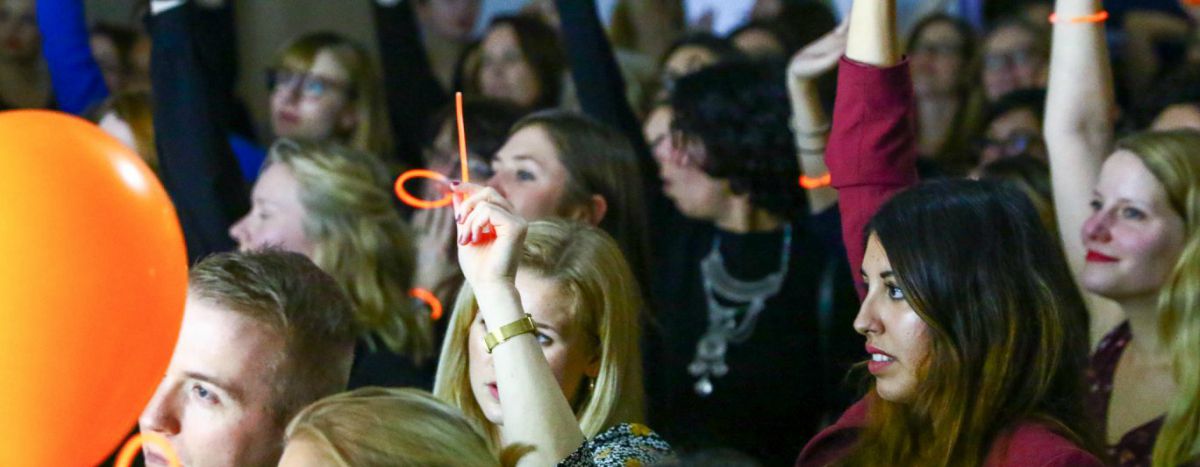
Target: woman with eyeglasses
(325, 88)
(1015, 56)
(942, 49)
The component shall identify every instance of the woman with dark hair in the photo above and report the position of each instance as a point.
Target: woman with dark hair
(522, 62)
(722, 352)
(977, 351)
(942, 52)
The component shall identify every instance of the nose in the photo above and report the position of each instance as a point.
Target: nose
(239, 232)
(161, 414)
(1097, 227)
(867, 321)
(497, 182)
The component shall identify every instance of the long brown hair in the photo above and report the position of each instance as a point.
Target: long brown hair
(1007, 326)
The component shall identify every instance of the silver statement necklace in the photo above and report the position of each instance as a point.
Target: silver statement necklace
(747, 299)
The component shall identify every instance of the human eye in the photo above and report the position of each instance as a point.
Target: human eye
(525, 176)
(1095, 204)
(1132, 213)
(894, 292)
(206, 395)
(543, 339)
(314, 87)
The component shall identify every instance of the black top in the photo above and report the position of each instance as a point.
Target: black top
(787, 375)
(382, 367)
(412, 91)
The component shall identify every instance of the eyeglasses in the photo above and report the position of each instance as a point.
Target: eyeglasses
(938, 50)
(1010, 59)
(310, 85)
(1015, 144)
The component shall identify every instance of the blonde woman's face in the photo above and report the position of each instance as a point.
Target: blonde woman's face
(300, 452)
(897, 337)
(1133, 236)
(276, 217)
(313, 104)
(568, 349)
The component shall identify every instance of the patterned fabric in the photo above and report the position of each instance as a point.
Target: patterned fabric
(1135, 446)
(624, 445)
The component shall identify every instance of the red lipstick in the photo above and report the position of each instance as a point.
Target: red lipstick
(1094, 257)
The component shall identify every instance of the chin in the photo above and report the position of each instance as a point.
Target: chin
(893, 393)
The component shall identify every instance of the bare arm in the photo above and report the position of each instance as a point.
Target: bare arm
(535, 411)
(809, 121)
(873, 39)
(1079, 132)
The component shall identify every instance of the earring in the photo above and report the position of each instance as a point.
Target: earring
(591, 385)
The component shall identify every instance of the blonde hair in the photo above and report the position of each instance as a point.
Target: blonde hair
(360, 239)
(1171, 158)
(375, 426)
(588, 266)
(372, 133)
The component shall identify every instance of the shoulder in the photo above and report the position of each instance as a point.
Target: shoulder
(627, 444)
(1034, 444)
(834, 442)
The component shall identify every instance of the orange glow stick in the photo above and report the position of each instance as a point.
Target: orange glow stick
(435, 305)
(125, 457)
(414, 201)
(462, 138)
(809, 183)
(1098, 17)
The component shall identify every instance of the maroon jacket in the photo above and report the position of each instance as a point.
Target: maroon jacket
(1029, 444)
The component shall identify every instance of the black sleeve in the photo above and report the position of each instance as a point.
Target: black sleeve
(197, 166)
(412, 91)
(601, 90)
(216, 48)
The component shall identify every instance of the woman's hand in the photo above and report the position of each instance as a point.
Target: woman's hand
(820, 56)
(435, 231)
(490, 236)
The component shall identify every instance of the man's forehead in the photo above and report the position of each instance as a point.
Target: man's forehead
(226, 348)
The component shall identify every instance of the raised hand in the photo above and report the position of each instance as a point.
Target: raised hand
(490, 236)
(820, 56)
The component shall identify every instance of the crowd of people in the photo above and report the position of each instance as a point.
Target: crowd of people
(674, 244)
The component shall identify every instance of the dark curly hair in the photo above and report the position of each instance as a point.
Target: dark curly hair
(739, 111)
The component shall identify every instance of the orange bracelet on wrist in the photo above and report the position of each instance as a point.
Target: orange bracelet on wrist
(809, 183)
(1098, 17)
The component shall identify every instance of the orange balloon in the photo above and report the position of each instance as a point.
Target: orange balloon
(93, 276)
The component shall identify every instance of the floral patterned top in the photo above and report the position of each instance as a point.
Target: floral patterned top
(624, 445)
(1135, 446)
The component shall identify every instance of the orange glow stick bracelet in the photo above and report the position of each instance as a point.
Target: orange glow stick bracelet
(435, 305)
(134, 445)
(419, 203)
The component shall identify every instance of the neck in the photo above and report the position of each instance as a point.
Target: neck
(739, 216)
(936, 113)
(1142, 313)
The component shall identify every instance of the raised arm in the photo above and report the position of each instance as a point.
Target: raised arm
(1079, 131)
(872, 152)
(809, 121)
(412, 90)
(598, 79)
(196, 164)
(76, 77)
(536, 413)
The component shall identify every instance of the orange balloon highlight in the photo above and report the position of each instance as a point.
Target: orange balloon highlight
(462, 138)
(92, 288)
(414, 201)
(435, 305)
(134, 445)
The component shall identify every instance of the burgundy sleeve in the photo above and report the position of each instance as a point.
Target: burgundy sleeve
(872, 151)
